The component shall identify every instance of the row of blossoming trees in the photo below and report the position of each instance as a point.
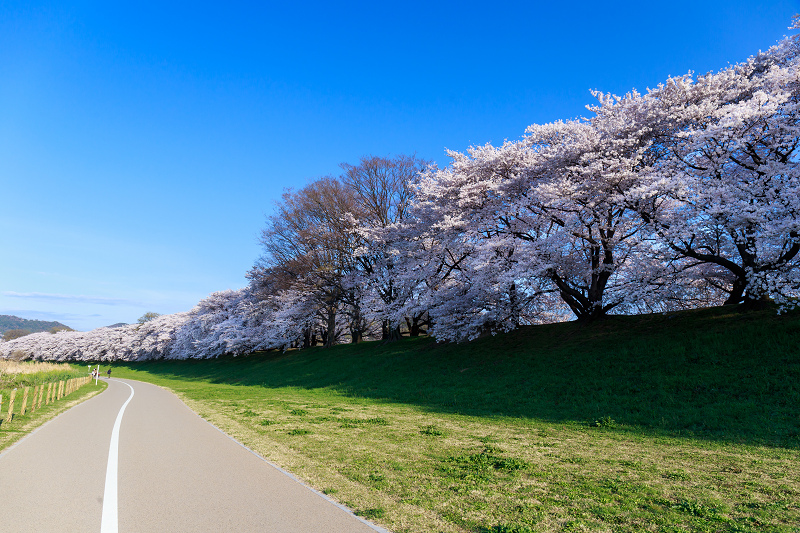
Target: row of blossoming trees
(685, 196)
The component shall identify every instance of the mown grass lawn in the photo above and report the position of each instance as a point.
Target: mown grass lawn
(681, 422)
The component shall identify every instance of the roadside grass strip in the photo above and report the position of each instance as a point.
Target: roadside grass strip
(689, 424)
(21, 424)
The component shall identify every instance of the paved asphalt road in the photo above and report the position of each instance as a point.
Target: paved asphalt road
(176, 473)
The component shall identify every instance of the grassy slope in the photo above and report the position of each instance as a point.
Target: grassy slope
(687, 421)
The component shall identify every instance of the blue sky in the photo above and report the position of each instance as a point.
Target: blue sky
(143, 145)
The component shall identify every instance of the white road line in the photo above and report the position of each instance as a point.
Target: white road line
(110, 521)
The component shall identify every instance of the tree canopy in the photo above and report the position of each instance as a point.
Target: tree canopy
(686, 195)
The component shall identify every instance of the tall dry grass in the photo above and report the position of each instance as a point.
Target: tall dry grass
(30, 367)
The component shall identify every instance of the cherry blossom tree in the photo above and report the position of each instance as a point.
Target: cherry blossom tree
(151, 340)
(310, 240)
(226, 322)
(685, 195)
(381, 187)
(731, 182)
(544, 215)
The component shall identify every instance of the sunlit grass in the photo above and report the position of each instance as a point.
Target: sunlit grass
(23, 424)
(15, 374)
(21, 374)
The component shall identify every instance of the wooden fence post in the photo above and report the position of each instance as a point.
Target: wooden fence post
(35, 395)
(49, 392)
(24, 401)
(60, 389)
(10, 414)
(41, 393)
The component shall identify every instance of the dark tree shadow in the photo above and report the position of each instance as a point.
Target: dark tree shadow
(714, 374)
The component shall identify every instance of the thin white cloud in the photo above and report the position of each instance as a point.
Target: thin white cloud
(32, 314)
(72, 298)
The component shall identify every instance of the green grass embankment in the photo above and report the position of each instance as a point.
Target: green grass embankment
(681, 422)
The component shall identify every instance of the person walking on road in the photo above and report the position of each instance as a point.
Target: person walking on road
(109, 373)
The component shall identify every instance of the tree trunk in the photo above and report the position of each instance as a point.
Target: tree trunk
(737, 291)
(390, 332)
(356, 326)
(331, 327)
(513, 302)
(417, 321)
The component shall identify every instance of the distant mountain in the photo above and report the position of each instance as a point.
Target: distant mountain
(117, 325)
(9, 322)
